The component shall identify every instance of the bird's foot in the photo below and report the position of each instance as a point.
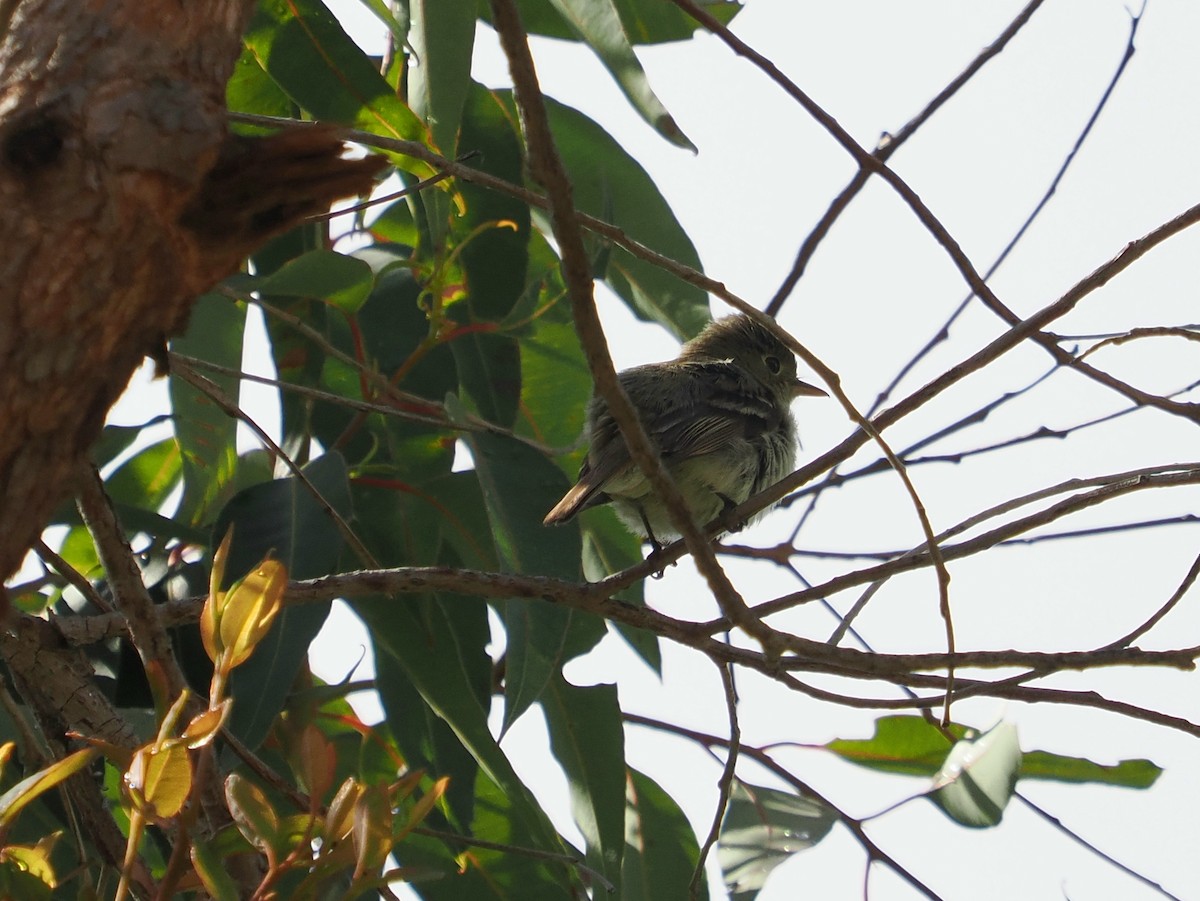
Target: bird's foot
(726, 519)
(656, 548)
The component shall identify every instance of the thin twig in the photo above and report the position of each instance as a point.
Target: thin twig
(887, 146)
(577, 273)
(210, 390)
(1103, 855)
(129, 591)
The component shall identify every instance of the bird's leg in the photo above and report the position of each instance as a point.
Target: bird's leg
(655, 545)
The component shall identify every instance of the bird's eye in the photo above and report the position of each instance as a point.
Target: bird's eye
(772, 364)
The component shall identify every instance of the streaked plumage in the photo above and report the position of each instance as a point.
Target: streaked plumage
(720, 416)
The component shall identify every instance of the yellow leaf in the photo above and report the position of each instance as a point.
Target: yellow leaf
(204, 726)
(208, 616)
(16, 798)
(160, 779)
(249, 608)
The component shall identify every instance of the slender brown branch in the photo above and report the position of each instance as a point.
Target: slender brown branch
(577, 273)
(918, 558)
(1184, 586)
(944, 331)
(724, 784)
(72, 575)
(210, 390)
(129, 590)
(1103, 855)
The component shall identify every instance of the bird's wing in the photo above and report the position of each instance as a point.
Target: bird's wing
(689, 409)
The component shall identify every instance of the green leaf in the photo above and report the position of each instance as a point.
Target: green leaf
(555, 384)
(251, 90)
(599, 25)
(489, 369)
(1057, 768)
(645, 21)
(911, 746)
(305, 50)
(442, 36)
(425, 739)
(116, 439)
(283, 518)
(901, 744)
(430, 650)
(17, 798)
(397, 22)
(207, 435)
(211, 866)
(588, 740)
(345, 282)
(462, 518)
(660, 848)
(979, 776)
(648, 22)
(519, 485)
(612, 185)
(763, 828)
(147, 478)
(495, 231)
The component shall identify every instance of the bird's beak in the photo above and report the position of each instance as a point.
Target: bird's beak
(804, 389)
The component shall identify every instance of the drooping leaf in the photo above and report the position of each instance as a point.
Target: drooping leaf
(519, 485)
(975, 783)
(427, 740)
(612, 185)
(555, 385)
(17, 798)
(429, 648)
(598, 24)
(442, 36)
(901, 744)
(608, 547)
(588, 740)
(1058, 768)
(147, 478)
(645, 21)
(489, 367)
(911, 746)
(660, 848)
(762, 828)
(251, 90)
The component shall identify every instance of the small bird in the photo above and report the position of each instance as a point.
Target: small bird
(720, 417)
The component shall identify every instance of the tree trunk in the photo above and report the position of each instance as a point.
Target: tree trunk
(122, 197)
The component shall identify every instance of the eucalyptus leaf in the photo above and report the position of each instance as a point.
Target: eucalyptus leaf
(979, 776)
(762, 828)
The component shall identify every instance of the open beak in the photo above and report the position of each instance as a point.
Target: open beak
(804, 389)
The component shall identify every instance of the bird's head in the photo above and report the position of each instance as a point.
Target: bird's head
(755, 349)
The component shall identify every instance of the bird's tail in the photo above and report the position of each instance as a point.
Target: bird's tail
(573, 501)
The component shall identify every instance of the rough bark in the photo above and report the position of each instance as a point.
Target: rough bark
(122, 197)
